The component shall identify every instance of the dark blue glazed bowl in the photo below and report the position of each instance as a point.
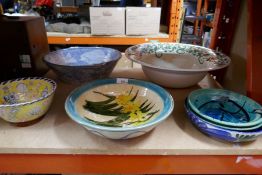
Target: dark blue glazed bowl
(225, 108)
(218, 132)
(82, 64)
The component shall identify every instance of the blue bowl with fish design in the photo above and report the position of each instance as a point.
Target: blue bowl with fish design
(119, 108)
(82, 64)
(225, 108)
(218, 132)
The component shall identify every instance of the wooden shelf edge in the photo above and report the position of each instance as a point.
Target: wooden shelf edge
(103, 40)
(201, 164)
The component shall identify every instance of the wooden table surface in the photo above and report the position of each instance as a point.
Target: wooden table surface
(56, 144)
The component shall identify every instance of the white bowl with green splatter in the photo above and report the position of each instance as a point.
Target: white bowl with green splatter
(119, 108)
(176, 65)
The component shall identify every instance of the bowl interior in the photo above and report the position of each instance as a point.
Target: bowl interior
(177, 56)
(25, 90)
(222, 133)
(110, 105)
(82, 56)
(252, 128)
(225, 107)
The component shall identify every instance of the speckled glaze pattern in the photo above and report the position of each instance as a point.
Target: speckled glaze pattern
(25, 99)
(78, 65)
(220, 133)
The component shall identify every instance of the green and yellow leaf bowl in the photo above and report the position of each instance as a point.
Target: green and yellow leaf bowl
(119, 108)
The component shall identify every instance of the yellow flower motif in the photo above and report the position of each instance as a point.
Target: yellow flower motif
(123, 99)
(137, 116)
(130, 107)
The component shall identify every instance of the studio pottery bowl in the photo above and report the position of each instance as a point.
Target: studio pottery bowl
(231, 128)
(176, 65)
(82, 64)
(225, 108)
(25, 99)
(119, 108)
(219, 132)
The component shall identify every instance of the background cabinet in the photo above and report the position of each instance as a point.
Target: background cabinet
(215, 17)
(172, 25)
(254, 61)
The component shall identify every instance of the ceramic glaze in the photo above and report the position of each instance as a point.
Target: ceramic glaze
(82, 64)
(174, 64)
(225, 107)
(233, 128)
(82, 56)
(138, 107)
(221, 133)
(25, 99)
(104, 105)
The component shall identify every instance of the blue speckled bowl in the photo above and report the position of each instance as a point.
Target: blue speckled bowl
(127, 96)
(221, 133)
(82, 64)
(225, 108)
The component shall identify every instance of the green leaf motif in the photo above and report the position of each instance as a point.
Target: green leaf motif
(159, 49)
(245, 137)
(125, 107)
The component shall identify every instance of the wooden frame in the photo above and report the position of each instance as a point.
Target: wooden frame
(254, 61)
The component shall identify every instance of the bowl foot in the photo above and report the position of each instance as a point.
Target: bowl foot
(28, 123)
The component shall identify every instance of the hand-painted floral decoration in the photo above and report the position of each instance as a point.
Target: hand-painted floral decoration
(128, 109)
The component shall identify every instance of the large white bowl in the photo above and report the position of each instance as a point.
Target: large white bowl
(176, 65)
(119, 108)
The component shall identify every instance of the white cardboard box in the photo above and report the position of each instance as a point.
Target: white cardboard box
(142, 20)
(107, 20)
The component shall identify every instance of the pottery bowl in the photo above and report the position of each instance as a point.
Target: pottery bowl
(225, 108)
(176, 65)
(218, 132)
(82, 64)
(119, 108)
(25, 99)
(251, 128)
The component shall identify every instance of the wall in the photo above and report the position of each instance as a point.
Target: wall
(235, 79)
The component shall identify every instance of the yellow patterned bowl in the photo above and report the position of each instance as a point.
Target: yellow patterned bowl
(25, 99)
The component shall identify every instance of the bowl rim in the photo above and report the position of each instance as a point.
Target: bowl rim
(50, 81)
(248, 124)
(131, 56)
(77, 47)
(235, 129)
(84, 88)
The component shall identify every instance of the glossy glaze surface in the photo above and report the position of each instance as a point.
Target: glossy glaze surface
(138, 106)
(225, 107)
(221, 133)
(82, 64)
(25, 99)
(176, 65)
